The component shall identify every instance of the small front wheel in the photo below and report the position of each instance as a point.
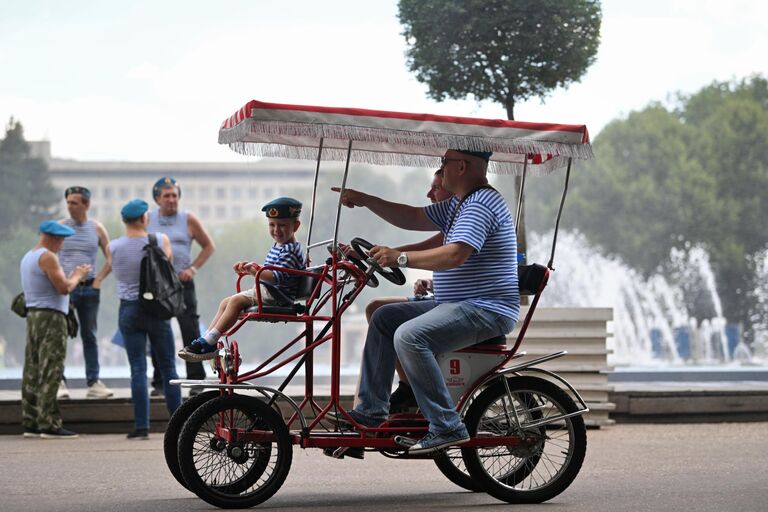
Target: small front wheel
(543, 448)
(235, 452)
(173, 430)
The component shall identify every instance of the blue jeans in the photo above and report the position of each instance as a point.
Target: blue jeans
(135, 326)
(414, 332)
(85, 300)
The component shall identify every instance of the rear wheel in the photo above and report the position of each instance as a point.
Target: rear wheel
(550, 449)
(175, 424)
(225, 471)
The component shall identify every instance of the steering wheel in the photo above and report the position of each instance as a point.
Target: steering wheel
(373, 282)
(393, 275)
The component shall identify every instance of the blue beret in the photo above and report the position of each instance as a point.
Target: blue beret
(165, 181)
(51, 227)
(485, 155)
(282, 208)
(134, 209)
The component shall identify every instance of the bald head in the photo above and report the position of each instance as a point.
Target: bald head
(463, 172)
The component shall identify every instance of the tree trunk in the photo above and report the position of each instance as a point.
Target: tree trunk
(522, 244)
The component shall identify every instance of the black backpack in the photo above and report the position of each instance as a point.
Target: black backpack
(161, 293)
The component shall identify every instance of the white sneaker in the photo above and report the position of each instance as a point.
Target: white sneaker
(63, 392)
(98, 390)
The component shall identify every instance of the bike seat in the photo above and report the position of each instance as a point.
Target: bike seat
(495, 344)
(286, 306)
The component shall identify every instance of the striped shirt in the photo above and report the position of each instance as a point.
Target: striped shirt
(488, 278)
(80, 248)
(39, 291)
(177, 228)
(288, 256)
(127, 253)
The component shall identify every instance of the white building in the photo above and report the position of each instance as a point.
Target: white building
(216, 192)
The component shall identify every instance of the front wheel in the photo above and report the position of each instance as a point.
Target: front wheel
(175, 424)
(235, 452)
(544, 451)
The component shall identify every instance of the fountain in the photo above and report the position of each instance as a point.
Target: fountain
(672, 320)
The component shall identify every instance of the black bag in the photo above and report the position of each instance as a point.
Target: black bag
(19, 305)
(72, 324)
(161, 293)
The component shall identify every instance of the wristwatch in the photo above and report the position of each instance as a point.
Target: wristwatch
(402, 260)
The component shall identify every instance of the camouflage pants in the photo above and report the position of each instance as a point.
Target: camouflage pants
(43, 369)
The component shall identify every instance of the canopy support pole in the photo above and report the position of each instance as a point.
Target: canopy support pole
(559, 213)
(341, 194)
(520, 197)
(314, 196)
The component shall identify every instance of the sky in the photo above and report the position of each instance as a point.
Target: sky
(153, 80)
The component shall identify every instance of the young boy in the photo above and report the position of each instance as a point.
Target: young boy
(283, 214)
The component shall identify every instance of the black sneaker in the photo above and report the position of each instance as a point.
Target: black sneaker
(198, 350)
(57, 433)
(31, 432)
(403, 399)
(140, 434)
(156, 393)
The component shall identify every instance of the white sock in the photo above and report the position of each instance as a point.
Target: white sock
(212, 336)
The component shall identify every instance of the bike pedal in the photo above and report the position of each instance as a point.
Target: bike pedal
(331, 452)
(405, 442)
(336, 453)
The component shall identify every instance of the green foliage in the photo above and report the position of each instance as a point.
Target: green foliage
(672, 178)
(26, 194)
(503, 50)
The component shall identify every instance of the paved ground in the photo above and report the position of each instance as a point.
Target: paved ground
(654, 468)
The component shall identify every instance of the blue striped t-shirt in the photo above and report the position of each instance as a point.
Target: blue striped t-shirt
(488, 278)
(288, 256)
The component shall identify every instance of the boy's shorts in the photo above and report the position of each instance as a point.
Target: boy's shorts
(266, 297)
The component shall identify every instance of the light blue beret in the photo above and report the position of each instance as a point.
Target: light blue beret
(51, 227)
(134, 209)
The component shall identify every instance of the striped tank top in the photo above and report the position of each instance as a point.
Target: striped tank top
(80, 248)
(175, 226)
(127, 253)
(488, 278)
(39, 292)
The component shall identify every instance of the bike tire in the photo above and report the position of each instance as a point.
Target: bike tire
(548, 460)
(215, 473)
(173, 430)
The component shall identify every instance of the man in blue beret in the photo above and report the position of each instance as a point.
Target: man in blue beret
(475, 295)
(46, 293)
(183, 228)
(82, 247)
(135, 323)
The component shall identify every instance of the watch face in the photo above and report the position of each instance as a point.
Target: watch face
(402, 260)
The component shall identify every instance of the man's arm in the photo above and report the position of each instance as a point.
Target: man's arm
(429, 243)
(440, 258)
(104, 244)
(201, 236)
(167, 247)
(401, 215)
(49, 263)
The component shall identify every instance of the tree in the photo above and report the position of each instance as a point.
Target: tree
(693, 175)
(506, 51)
(26, 194)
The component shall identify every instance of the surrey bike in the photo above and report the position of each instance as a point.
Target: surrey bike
(232, 444)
